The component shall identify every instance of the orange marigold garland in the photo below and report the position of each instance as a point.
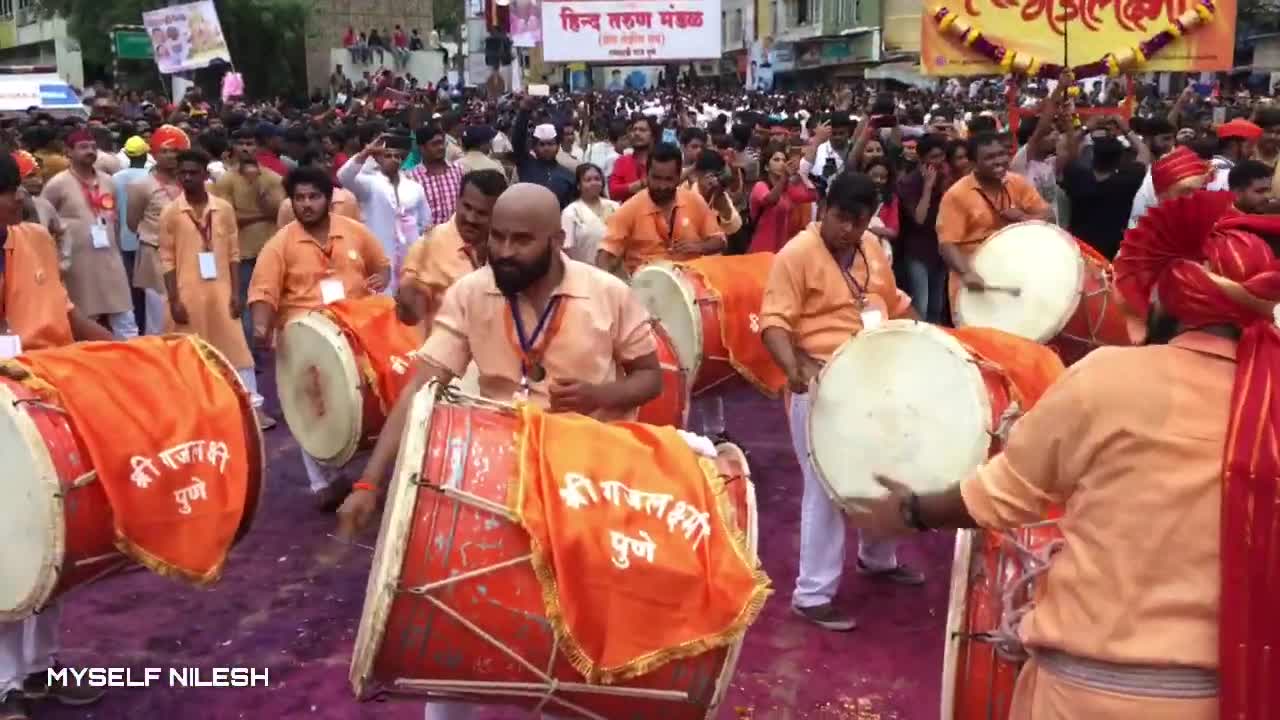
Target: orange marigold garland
(1113, 63)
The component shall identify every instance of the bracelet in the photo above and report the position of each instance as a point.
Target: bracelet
(362, 485)
(911, 513)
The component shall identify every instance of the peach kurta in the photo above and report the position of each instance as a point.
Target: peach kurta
(968, 215)
(1130, 441)
(437, 260)
(208, 302)
(639, 232)
(292, 264)
(154, 196)
(96, 281)
(807, 295)
(33, 302)
(602, 326)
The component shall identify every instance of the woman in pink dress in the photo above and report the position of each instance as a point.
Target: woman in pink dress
(781, 202)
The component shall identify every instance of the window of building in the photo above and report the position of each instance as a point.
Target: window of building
(802, 12)
(738, 29)
(6, 8)
(24, 4)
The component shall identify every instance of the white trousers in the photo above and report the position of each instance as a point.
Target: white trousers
(318, 476)
(124, 325)
(250, 380)
(157, 309)
(822, 527)
(28, 646)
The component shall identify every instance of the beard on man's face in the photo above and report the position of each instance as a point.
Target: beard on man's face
(511, 277)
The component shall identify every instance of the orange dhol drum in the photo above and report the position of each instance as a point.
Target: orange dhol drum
(453, 609)
(690, 312)
(994, 583)
(57, 527)
(672, 406)
(1052, 288)
(328, 386)
(920, 404)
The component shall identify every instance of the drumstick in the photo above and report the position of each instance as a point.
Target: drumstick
(1014, 291)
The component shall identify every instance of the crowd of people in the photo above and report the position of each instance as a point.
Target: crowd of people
(229, 221)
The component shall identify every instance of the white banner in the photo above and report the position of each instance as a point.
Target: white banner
(626, 31)
(186, 37)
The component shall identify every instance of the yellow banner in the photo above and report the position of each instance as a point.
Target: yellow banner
(1075, 32)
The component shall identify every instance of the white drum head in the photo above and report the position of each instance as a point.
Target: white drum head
(32, 532)
(393, 538)
(670, 300)
(905, 401)
(319, 385)
(1044, 263)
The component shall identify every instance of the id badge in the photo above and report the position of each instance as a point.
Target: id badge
(331, 291)
(872, 319)
(10, 346)
(208, 265)
(98, 233)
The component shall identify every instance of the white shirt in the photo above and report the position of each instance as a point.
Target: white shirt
(820, 156)
(583, 229)
(396, 214)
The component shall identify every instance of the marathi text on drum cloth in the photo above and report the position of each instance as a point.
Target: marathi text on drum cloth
(631, 545)
(164, 423)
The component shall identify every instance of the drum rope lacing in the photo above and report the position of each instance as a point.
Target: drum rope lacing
(1015, 594)
(1095, 322)
(547, 690)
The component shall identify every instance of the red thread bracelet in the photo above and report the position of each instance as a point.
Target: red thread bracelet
(362, 485)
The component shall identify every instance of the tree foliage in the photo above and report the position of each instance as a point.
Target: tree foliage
(448, 18)
(265, 37)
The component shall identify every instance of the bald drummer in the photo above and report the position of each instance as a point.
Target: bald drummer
(581, 344)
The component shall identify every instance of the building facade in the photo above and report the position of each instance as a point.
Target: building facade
(28, 38)
(329, 20)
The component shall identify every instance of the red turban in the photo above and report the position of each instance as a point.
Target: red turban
(1241, 129)
(1209, 264)
(27, 163)
(168, 137)
(80, 135)
(1177, 166)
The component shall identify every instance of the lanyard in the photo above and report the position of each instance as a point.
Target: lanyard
(531, 367)
(97, 201)
(1003, 198)
(856, 289)
(671, 226)
(205, 228)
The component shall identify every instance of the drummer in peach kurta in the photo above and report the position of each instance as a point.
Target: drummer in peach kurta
(827, 284)
(448, 251)
(978, 205)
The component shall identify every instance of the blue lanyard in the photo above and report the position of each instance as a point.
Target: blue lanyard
(527, 342)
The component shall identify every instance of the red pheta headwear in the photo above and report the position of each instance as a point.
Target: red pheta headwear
(1209, 264)
(168, 137)
(1177, 166)
(80, 135)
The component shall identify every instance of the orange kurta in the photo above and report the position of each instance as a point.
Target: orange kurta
(33, 302)
(208, 302)
(1130, 442)
(292, 264)
(601, 327)
(344, 204)
(807, 295)
(968, 215)
(641, 232)
(435, 262)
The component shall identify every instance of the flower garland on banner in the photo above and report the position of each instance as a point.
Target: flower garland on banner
(1112, 64)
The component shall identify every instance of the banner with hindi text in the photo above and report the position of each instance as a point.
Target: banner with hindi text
(625, 31)
(1083, 31)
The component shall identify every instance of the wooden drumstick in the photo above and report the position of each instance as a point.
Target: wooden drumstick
(1014, 291)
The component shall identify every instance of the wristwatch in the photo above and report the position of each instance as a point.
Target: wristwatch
(910, 509)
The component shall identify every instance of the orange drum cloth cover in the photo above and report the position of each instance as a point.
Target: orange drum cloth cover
(1031, 368)
(739, 284)
(637, 563)
(163, 423)
(384, 340)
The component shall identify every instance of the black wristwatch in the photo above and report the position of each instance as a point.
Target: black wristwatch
(910, 508)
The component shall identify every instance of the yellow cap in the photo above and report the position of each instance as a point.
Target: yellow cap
(136, 147)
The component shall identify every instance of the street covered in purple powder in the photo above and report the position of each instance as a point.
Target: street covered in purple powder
(290, 601)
